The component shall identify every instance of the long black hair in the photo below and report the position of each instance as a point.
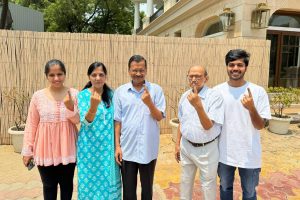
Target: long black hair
(107, 92)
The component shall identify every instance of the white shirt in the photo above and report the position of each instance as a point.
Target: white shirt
(190, 125)
(139, 138)
(239, 143)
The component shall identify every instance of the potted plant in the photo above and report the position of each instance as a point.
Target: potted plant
(173, 104)
(19, 100)
(296, 91)
(280, 98)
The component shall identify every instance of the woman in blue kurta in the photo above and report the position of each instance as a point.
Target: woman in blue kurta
(98, 173)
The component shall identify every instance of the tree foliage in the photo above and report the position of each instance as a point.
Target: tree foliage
(4, 12)
(94, 16)
(281, 98)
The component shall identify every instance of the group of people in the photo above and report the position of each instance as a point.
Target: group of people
(219, 131)
(119, 132)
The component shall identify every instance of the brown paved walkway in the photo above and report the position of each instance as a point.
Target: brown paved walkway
(280, 177)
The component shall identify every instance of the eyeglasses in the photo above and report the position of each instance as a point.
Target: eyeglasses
(236, 64)
(194, 77)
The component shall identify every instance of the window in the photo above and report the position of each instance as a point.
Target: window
(215, 27)
(285, 20)
(177, 34)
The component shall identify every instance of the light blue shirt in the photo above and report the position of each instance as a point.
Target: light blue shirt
(139, 138)
(190, 125)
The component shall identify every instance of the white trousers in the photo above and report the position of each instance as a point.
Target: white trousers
(205, 158)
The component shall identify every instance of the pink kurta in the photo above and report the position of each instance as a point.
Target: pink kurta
(50, 133)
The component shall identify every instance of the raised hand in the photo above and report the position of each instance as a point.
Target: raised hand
(193, 98)
(68, 101)
(146, 98)
(95, 100)
(247, 101)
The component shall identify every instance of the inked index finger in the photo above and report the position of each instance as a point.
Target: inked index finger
(195, 90)
(249, 92)
(69, 93)
(145, 88)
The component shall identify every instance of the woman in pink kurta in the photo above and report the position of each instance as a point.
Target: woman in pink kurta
(50, 134)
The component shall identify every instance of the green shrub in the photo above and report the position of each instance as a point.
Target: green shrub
(281, 98)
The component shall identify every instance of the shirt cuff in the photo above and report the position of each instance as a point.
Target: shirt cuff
(26, 151)
(217, 120)
(70, 113)
(117, 119)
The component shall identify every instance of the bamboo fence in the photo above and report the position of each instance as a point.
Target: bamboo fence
(23, 56)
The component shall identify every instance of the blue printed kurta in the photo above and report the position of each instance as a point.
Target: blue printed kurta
(98, 173)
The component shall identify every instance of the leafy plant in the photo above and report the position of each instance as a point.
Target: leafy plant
(281, 98)
(89, 16)
(296, 91)
(20, 101)
(173, 102)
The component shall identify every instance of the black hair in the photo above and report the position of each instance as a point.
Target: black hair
(136, 58)
(236, 54)
(52, 62)
(107, 91)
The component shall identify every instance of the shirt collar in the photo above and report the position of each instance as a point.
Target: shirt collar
(130, 86)
(202, 92)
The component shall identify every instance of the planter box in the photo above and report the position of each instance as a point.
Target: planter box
(279, 125)
(17, 139)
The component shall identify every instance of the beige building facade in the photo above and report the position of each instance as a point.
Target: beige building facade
(203, 18)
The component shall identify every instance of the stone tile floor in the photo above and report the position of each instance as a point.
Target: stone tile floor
(279, 180)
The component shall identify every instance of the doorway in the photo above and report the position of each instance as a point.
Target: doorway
(284, 33)
(284, 58)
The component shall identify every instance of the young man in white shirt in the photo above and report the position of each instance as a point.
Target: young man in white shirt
(201, 115)
(246, 111)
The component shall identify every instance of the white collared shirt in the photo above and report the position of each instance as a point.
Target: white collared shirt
(190, 125)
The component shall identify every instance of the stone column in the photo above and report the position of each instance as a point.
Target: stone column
(149, 8)
(136, 15)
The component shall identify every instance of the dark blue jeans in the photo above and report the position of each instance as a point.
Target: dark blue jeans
(249, 181)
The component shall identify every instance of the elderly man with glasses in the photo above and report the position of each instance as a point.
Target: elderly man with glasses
(201, 115)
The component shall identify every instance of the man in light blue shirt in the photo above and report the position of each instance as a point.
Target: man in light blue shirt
(139, 105)
(201, 115)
